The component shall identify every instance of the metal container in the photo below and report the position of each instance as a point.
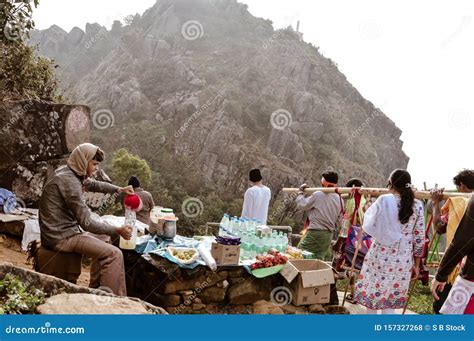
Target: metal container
(169, 229)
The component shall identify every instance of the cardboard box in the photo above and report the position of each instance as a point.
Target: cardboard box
(225, 254)
(309, 281)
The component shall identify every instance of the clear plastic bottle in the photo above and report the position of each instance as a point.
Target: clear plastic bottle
(248, 224)
(224, 219)
(130, 220)
(260, 245)
(275, 240)
(250, 248)
(254, 225)
(267, 244)
(236, 229)
(245, 246)
(223, 224)
(245, 223)
(284, 241)
(230, 228)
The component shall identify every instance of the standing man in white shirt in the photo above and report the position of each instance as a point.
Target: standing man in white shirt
(256, 198)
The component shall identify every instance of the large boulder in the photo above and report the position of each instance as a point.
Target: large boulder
(36, 137)
(91, 304)
(267, 308)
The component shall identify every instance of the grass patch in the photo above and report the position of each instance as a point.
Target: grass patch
(421, 300)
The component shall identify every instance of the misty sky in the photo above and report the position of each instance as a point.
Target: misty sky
(413, 59)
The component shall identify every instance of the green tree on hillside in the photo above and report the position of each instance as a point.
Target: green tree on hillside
(15, 20)
(23, 74)
(124, 165)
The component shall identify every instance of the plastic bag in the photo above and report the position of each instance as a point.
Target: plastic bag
(30, 233)
(207, 257)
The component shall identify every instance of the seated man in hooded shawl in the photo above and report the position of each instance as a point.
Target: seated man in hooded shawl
(67, 225)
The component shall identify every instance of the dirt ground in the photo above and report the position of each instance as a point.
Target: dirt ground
(10, 251)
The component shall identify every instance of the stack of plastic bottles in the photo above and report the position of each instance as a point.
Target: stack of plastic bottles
(255, 237)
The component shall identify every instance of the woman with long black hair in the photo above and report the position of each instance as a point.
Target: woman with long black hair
(396, 223)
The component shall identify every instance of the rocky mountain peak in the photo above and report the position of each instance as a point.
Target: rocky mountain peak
(212, 84)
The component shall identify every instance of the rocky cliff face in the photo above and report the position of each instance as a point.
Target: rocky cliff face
(209, 83)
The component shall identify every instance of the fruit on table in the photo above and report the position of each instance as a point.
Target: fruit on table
(269, 260)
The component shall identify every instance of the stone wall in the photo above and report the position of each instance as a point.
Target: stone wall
(199, 290)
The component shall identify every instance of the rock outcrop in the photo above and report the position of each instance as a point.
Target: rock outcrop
(215, 85)
(36, 138)
(90, 304)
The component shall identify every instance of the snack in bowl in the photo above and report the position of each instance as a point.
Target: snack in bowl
(183, 255)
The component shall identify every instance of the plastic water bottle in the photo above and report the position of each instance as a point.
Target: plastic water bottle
(267, 244)
(245, 223)
(248, 226)
(223, 224)
(259, 245)
(236, 230)
(130, 220)
(235, 226)
(254, 224)
(245, 246)
(285, 241)
(224, 219)
(274, 240)
(250, 247)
